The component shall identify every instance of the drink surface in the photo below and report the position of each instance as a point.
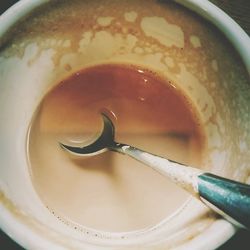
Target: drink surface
(112, 192)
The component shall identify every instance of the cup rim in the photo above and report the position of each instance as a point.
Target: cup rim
(221, 230)
(230, 28)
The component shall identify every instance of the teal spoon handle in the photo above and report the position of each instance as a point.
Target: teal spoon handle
(230, 197)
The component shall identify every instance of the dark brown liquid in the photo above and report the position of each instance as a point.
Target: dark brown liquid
(111, 191)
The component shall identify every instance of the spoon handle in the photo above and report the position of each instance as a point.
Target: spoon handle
(184, 176)
(230, 197)
(226, 197)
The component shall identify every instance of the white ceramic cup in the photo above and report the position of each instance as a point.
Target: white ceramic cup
(26, 78)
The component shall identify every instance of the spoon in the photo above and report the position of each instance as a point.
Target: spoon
(229, 198)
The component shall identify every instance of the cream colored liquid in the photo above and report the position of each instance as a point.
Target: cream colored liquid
(112, 192)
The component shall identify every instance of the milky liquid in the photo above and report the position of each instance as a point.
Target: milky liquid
(112, 192)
